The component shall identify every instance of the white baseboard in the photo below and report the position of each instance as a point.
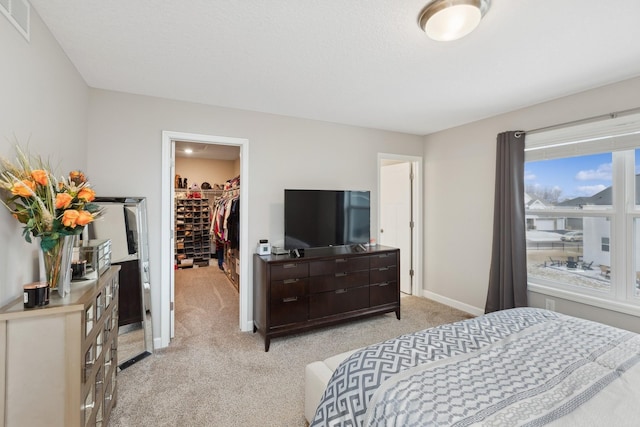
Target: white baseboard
(157, 343)
(453, 303)
(248, 327)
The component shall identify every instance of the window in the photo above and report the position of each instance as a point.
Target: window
(583, 212)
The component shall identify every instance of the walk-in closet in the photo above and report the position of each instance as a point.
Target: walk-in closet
(207, 216)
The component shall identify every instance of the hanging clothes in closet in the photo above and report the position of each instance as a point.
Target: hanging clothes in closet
(225, 228)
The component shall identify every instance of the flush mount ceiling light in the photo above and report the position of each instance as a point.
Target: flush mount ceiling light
(446, 20)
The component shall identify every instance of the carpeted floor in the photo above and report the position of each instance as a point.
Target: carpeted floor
(214, 375)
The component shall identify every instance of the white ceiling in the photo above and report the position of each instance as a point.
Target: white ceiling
(207, 151)
(358, 62)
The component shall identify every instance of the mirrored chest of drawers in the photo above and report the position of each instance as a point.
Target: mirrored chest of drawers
(58, 363)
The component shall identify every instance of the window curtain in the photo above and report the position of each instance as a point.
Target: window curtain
(508, 274)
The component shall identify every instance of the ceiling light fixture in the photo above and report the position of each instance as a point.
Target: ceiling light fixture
(188, 150)
(446, 20)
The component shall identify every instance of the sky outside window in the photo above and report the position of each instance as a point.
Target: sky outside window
(572, 177)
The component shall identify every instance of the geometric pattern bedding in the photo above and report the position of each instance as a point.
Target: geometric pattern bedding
(522, 366)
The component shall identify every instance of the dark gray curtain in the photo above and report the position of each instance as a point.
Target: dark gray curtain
(508, 274)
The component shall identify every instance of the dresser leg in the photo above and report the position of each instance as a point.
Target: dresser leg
(398, 313)
(267, 341)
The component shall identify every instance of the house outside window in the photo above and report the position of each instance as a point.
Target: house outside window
(583, 214)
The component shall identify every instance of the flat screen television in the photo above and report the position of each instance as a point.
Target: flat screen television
(321, 218)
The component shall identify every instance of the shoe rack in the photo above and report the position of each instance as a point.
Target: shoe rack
(192, 236)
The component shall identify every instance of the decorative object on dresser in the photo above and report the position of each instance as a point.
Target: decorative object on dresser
(323, 286)
(52, 210)
(58, 363)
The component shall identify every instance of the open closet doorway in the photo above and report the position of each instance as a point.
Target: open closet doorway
(399, 214)
(200, 144)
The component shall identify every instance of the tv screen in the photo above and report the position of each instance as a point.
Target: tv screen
(321, 218)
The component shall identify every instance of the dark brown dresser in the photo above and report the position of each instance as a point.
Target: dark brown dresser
(323, 286)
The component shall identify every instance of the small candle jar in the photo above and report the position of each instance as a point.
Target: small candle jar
(36, 294)
(78, 269)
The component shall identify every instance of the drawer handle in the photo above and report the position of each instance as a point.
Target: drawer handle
(340, 260)
(341, 274)
(287, 281)
(88, 406)
(383, 269)
(384, 284)
(290, 299)
(290, 265)
(341, 291)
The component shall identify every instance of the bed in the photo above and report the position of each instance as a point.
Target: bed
(522, 366)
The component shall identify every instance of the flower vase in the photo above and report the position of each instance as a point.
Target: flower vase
(55, 265)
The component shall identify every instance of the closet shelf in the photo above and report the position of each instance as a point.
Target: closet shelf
(192, 238)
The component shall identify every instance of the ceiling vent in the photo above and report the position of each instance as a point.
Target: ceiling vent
(18, 12)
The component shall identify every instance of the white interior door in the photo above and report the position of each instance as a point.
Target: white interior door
(172, 216)
(395, 216)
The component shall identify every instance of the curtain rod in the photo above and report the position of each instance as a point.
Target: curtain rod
(587, 120)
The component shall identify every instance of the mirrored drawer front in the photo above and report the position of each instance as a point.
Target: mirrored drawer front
(384, 260)
(108, 352)
(89, 405)
(114, 320)
(89, 362)
(107, 328)
(89, 318)
(100, 305)
(114, 287)
(289, 271)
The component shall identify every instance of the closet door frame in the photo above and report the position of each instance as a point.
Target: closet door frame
(167, 272)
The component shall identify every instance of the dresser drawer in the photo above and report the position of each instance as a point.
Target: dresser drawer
(338, 281)
(386, 259)
(288, 288)
(384, 274)
(383, 293)
(291, 270)
(289, 310)
(338, 301)
(338, 265)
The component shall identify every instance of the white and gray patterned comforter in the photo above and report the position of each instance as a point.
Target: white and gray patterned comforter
(522, 366)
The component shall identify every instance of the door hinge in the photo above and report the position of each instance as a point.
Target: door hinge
(411, 224)
(411, 273)
(171, 306)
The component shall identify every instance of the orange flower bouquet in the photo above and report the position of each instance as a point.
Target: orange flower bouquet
(49, 208)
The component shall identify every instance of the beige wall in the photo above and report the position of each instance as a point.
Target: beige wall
(116, 139)
(459, 186)
(124, 149)
(43, 104)
(206, 170)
